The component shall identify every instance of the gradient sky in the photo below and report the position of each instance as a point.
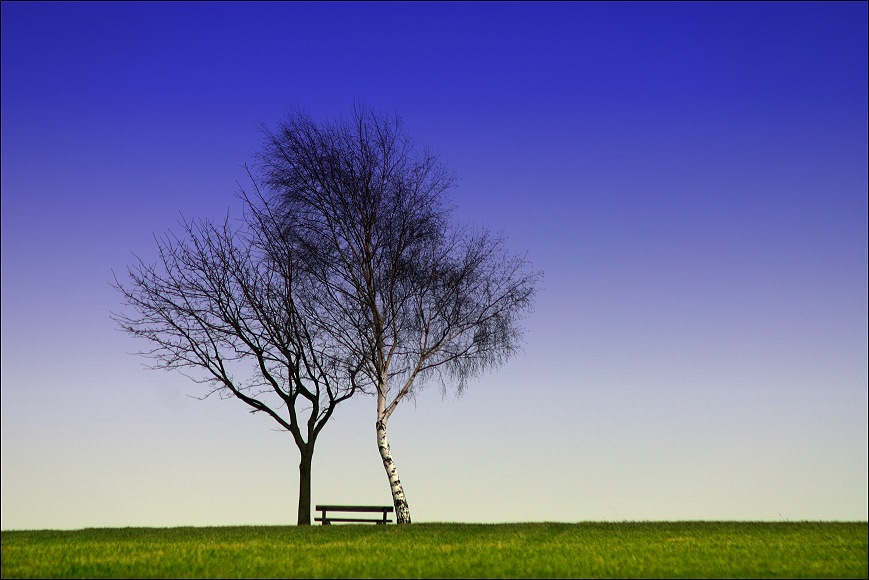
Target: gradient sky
(692, 179)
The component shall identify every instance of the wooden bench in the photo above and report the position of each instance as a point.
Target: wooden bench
(327, 520)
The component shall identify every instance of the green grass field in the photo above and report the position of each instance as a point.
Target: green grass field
(592, 550)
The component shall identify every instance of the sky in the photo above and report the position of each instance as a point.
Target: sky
(690, 177)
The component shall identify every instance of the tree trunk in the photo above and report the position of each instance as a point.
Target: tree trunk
(402, 511)
(305, 485)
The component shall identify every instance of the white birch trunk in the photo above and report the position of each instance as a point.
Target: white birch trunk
(402, 512)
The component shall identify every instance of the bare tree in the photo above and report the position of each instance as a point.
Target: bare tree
(405, 295)
(222, 305)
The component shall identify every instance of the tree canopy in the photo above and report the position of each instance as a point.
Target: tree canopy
(223, 304)
(404, 293)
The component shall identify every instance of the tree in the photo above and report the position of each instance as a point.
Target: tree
(405, 295)
(223, 302)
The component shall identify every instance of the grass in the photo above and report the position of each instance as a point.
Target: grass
(534, 550)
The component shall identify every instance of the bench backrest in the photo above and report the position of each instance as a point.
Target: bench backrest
(355, 508)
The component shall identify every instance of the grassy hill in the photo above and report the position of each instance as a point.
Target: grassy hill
(532, 550)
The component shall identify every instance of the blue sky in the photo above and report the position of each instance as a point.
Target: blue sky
(691, 177)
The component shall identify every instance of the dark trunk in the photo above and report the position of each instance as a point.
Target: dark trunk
(305, 486)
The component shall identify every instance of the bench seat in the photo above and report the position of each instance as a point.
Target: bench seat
(327, 520)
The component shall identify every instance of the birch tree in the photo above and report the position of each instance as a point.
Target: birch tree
(223, 305)
(406, 295)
